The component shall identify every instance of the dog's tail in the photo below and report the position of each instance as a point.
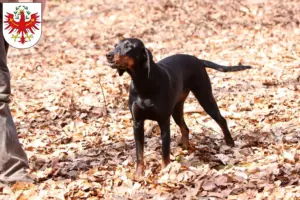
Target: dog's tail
(222, 68)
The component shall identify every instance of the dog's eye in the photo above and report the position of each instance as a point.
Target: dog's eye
(128, 46)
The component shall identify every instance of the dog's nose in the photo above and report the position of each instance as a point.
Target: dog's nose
(109, 56)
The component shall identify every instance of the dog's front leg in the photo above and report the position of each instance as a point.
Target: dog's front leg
(139, 146)
(165, 137)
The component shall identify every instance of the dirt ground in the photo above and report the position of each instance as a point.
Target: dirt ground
(80, 145)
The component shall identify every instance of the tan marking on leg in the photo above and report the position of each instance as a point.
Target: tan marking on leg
(184, 137)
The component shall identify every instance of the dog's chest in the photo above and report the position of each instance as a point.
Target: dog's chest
(144, 108)
(144, 103)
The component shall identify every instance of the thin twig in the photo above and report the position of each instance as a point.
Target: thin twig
(200, 111)
(194, 111)
(208, 128)
(105, 105)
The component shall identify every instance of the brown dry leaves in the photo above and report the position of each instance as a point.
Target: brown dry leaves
(59, 110)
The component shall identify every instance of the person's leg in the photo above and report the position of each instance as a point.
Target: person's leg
(13, 160)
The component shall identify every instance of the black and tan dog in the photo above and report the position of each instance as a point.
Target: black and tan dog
(158, 90)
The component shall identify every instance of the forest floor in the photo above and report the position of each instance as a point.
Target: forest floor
(81, 146)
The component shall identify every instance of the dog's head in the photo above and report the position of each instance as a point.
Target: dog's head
(128, 54)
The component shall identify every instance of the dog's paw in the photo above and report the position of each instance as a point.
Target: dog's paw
(230, 142)
(139, 171)
(184, 143)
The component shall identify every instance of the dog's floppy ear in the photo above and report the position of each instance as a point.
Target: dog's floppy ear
(149, 58)
(121, 71)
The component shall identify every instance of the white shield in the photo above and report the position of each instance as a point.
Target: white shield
(22, 24)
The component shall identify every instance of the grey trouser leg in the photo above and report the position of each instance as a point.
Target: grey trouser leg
(13, 160)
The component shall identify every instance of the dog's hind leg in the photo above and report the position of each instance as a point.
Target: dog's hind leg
(203, 92)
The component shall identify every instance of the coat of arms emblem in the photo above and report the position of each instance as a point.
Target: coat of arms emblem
(22, 24)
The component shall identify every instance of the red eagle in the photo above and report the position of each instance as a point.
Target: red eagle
(22, 26)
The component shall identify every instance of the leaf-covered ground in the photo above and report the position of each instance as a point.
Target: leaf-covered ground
(74, 153)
